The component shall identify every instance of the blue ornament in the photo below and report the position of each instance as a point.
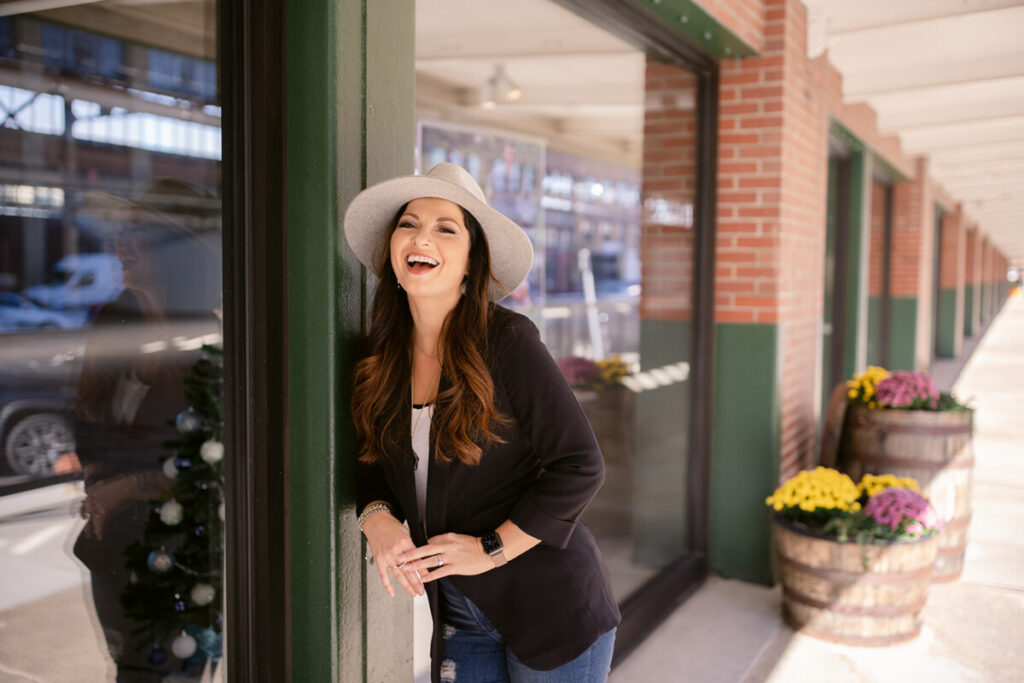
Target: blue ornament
(199, 530)
(209, 641)
(160, 561)
(178, 603)
(182, 463)
(156, 655)
(188, 421)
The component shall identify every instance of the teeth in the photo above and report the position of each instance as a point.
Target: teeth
(416, 258)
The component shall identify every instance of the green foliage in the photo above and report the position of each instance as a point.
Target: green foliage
(164, 601)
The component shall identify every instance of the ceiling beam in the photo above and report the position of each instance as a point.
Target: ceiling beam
(843, 17)
(955, 113)
(106, 96)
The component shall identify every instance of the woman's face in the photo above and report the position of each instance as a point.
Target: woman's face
(430, 248)
(134, 247)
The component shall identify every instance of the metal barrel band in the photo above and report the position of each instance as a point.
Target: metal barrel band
(938, 430)
(907, 463)
(857, 610)
(856, 577)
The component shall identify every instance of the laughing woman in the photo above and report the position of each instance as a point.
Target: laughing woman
(470, 435)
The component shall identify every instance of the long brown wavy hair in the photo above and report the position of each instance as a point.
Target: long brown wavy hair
(464, 412)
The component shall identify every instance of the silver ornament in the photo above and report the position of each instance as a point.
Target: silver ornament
(184, 646)
(212, 451)
(202, 594)
(171, 512)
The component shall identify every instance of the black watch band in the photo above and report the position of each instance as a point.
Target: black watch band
(494, 548)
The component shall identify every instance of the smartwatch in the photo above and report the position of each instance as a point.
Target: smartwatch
(494, 548)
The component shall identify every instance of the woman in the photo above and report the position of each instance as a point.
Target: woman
(470, 434)
(132, 384)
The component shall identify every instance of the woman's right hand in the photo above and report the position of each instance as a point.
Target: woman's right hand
(389, 538)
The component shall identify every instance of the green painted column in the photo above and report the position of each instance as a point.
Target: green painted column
(351, 121)
(946, 346)
(856, 266)
(902, 332)
(744, 450)
(968, 310)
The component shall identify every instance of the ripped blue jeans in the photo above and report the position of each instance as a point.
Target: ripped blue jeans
(475, 652)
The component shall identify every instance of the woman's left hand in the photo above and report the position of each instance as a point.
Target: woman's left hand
(447, 555)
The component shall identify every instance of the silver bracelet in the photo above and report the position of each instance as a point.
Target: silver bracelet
(372, 510)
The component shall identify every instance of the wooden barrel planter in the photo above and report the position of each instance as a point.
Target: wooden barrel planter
(932, 447)
(871, 595)
(612, 415)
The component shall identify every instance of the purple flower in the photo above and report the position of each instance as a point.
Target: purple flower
(902, 509)
(579, 372)
(903, 389)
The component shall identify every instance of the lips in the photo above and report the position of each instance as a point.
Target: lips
(420, 263)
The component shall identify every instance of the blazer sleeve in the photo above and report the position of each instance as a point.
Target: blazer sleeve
(557, 430)
(371, 485)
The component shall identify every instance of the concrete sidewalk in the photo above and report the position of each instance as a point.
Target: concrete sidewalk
(730, 631)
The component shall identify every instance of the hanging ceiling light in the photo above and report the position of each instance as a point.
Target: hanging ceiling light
(499, 88)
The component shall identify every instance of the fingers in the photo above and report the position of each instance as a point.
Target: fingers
(410, 580)
(439, 573)
(382, 571)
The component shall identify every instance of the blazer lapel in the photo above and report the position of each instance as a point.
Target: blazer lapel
(405, 476)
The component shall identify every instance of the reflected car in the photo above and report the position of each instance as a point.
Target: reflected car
(18, 313)
(80, 281)
(35, 430)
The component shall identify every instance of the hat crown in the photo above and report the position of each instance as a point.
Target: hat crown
(458, 176)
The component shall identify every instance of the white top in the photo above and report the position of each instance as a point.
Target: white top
(421, 447)
(128, 396)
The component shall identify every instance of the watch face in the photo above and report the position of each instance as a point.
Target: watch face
(492, 543)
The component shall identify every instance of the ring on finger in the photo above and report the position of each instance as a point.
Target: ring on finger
(440, 561)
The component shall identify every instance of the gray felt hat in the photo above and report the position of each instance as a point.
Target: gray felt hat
(367, 218)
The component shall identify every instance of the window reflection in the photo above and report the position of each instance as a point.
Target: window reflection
(110, 291)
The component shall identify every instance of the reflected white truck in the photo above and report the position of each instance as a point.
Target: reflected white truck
(80, 281)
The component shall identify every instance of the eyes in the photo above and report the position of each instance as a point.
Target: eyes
(442, 227)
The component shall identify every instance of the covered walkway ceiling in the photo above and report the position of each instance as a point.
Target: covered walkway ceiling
(947, 76)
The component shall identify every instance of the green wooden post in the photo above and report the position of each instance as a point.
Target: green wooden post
(350, 123)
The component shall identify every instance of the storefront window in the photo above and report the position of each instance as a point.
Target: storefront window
(111, 475)
(589, 143)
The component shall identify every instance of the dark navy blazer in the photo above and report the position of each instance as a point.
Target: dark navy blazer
(552, 602)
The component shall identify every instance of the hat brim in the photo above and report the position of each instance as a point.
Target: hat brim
(116, 210)
(368, 216)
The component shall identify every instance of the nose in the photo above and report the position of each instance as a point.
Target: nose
(422, 236)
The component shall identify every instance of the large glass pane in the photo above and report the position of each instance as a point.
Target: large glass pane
(111, 483)
(590, 144)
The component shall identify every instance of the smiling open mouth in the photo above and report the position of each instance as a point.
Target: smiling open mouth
(421, 264)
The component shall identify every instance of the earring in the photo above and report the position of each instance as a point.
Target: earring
(398, 285)
(462, 288)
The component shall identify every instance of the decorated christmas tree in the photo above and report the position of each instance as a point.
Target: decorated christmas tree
(176, 584)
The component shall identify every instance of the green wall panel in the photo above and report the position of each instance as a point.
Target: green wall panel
(350, 123)
(902, 333)
(968, 310)
(946, 342)
(745, 450)
(874, 350)
(854, 254)
(313, 399)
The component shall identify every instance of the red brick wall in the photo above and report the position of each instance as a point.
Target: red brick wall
(745, 18)
(953, 257)
(911, 233)
(669, 192)
(772, 169)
